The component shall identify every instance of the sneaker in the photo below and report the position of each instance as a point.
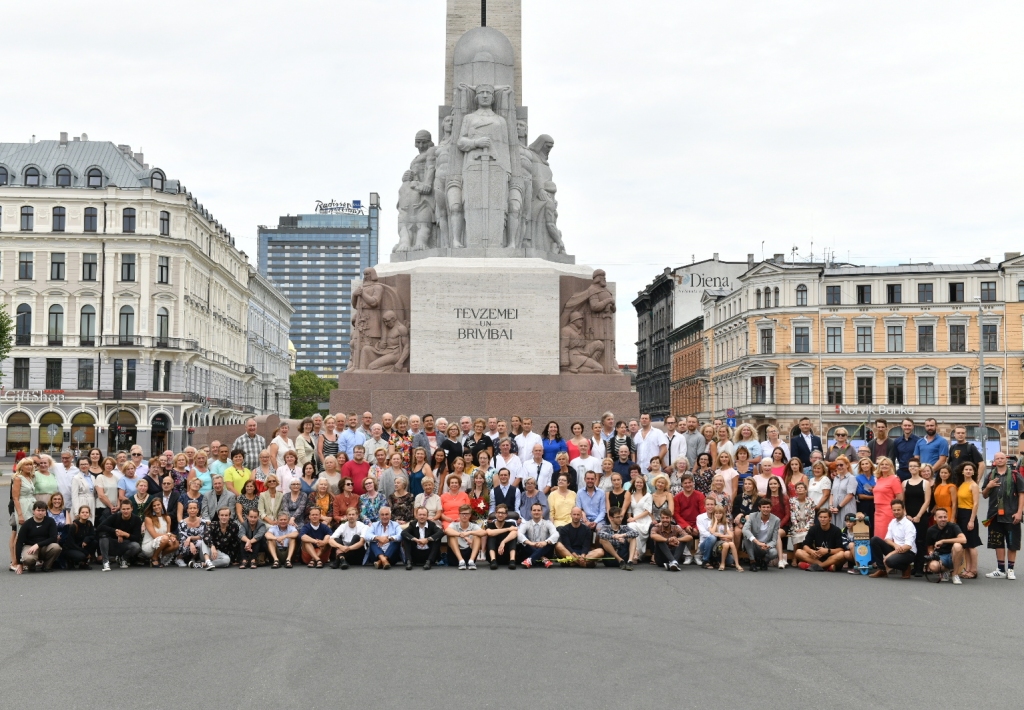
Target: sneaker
(622, 564)
(629, 566)
(106, 566)
(494, 565)
(462, 564)
(548, 563)
(698, 560)
(956, 579)
(804, 565)
(996, 574)
(673, 566)
(344, 564)
(527, 563)
(123, 564)
(471, 565)
(209, 565)
(944, 577)
(180, 562)
(1010, 574)
(512, 564)
(688, 559)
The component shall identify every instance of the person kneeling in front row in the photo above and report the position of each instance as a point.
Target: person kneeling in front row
(464, 540)
(669, 541)
(384, 538)
(575, 541)
(761, 535)
(421, 540)
(501, 538)
(281, 540)
(898, 549)
(823, 546)
(537, 537)
(37, 541)
(250, 538)
(121, 536)
(618, 540)
(348, 542)
(313, 536)
(945, 541)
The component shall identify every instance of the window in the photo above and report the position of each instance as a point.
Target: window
(94, 178)
(55, 327)
(767, 298)
(127, 267)
(28, 219)
(766, 341)
(803, 339)
(59, 215)
(156, 375)
(757, 298)
(89, 267)
(128, 220)
(167, 375)
(23, 325)
(53, 368)
(833, 296)
(865, 390)
(801, 295)
(32, 177)
(894, 293)
(834, 385)
(21, 373)
(864, 339)
(991, 390)
(165, 224)
(895, 390)
(130, 376)
(157, 180)
(126, 325)
(834, 340)
(958, 390)
(1020, 289)
(118, 377)
(988, 291)
(956, 292)
(863, 294)
(926, 338)
(925, 293)
(758, 390)
(926, 390)
(163, 270)
(87, 327)
(162, 326)
(63, 177)
(3, 176)
(85, 374)
(57, 266)
(90, 219)
(894, 338)
(989, 338)
(958, 338)
(778, 302)
(25, 262)
(801, 390)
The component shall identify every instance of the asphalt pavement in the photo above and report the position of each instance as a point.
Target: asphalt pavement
(602, 638)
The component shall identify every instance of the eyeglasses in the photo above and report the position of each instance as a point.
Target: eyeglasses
(134, 455)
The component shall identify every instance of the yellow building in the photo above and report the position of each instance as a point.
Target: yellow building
(845, 345)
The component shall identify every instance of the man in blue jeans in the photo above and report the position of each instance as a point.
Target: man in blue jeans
(385, 540)
(537, 538)
(669, 540)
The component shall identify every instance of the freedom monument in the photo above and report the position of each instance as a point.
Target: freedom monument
(480, 309)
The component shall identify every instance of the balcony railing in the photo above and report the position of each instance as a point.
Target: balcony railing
(87, 342)
(55, 341)
(148, 341)
(22, 339)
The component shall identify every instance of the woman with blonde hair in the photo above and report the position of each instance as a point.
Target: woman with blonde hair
(842, 447)
(710, 445)
(23, 492)
(270, 501)
(327, 442)
(719, 526)
(661, 498)
(723, 441)
(887, 489)
(718, 492)
(731, 475)
(819, 488)
(639, 517)
(866, 488)
(401, 441)
(106, 490)
(746, 438)
(418, 470)
(180, 472)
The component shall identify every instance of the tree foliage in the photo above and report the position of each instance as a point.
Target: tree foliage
(6, 334)
(308, 391)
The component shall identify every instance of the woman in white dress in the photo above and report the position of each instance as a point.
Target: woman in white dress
(83, 492)
(640, 515)
(280, 444)
(157, 539)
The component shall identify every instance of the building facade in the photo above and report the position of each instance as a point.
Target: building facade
(313, 259)
(686, 345)
(845, 345)
(130, 301)
(269, 360)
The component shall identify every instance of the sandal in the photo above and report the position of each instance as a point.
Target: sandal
(319, 564)
(155, 564)
(708, 565)
(276, 565)
(253, 565)
(288, 564)
(720, 569)
(311, 564)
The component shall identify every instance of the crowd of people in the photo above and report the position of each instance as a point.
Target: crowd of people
(346, 490)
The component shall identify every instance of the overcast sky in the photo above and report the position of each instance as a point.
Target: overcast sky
(887, 131)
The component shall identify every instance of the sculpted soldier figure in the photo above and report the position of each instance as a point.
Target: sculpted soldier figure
(486, 165)
(519, 192)
(373, 339)
(391, 354)
(578, 354)
(447, 199)
(416, 198)
(544, 210)
(596, 304)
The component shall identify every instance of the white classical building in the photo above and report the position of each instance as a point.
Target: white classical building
(133, 308)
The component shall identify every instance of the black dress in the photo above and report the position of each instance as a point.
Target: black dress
(615, 500)
(453, 450)
(913, 501)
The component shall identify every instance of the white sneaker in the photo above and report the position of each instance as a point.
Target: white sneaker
(673, 566)
(124, 564)
(687, 559)
(180, 562)
(996, 574)
(471, 565)
(944, 577)
(698, 560)
(462, 565)
(106, 566)
(956, 579)
(209, 565)
(1010, 574)
(782, 564)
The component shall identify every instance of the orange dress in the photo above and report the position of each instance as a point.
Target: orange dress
(887, 489)
(944, 496)
(450, 505)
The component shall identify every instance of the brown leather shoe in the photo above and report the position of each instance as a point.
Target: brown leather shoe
(908, 572)
(880, 573)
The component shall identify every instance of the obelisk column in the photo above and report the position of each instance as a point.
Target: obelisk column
(506, 16)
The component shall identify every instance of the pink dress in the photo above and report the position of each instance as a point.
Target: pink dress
(886, 490)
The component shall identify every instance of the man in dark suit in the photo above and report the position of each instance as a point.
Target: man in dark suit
(801, 445)
(169, 497)
(421, 540)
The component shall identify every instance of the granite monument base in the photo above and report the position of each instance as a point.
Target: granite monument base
(564, 398)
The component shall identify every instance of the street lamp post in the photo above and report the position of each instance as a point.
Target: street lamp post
(981, 377)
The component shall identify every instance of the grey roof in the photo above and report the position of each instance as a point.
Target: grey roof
(121, 167)
(841, 271)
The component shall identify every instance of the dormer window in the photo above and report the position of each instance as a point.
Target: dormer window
(32, 177)
(63, 177)
(157, 180)
(94, 178)
(3, 176)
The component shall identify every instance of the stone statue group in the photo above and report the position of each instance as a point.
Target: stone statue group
(482, 185)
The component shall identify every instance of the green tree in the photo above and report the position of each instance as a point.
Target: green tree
(6, 334)
(308, 391)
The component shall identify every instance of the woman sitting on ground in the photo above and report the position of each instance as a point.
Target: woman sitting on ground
(193, 540)
(744, 505)
(294, 503)
(81, 538)
(192, 495)
(270, 501)
(157, 539)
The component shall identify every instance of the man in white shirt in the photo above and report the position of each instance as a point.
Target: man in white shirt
(526, 440)
(898, 549)
(367, 425)
(376, 441)
(506, 459)
(537, 538)
(142, 466)
(64, 471)
(492, 430)
(537, 468)
(676, 444)
(414, 425)
(585, 462)
(650, 442)
(348, 542)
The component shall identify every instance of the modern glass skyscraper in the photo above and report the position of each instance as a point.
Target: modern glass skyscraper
(312, 259)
